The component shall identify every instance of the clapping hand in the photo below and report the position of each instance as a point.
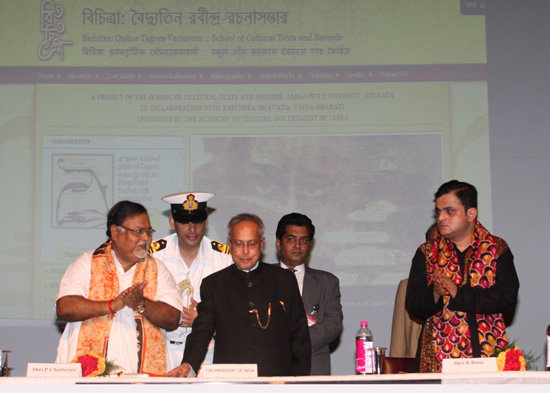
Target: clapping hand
(443, 285)
(133, 296)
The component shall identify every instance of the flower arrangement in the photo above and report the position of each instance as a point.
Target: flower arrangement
(94, 365)
(513, 359)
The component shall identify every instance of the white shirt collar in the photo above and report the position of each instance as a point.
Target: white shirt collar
(298, 269)
(254, 268)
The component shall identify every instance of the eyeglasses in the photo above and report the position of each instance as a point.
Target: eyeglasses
(240, 244)
(140, 231)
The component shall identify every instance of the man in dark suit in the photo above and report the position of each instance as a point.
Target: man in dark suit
(320, 290)
(254, 308)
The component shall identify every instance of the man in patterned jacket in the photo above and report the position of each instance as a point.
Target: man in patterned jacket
(460, 283)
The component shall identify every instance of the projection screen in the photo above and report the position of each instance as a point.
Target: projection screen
(351, 112)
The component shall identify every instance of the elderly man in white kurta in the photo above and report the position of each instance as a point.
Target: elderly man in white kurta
(119, 301)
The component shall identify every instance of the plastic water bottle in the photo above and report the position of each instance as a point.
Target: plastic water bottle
(363, 342)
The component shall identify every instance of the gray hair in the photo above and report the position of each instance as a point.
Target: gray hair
(245, 217)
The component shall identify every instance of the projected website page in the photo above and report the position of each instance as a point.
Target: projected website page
(352, 113)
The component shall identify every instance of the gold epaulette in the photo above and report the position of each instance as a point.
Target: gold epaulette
(157, 246)
(220, 247)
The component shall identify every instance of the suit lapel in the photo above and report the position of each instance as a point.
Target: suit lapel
(310, 281)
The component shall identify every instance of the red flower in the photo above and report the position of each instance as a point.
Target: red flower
(89, 364)
(512, 360)
(92, 364)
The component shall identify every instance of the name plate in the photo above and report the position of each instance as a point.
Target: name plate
(54, 370)
(229, 370)
(469, 365)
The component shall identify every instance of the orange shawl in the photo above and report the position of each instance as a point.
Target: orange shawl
(94, 332)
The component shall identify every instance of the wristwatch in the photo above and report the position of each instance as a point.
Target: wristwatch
(141, 307)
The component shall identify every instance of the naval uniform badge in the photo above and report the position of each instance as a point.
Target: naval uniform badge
(190, 204)
(157, 246)
(220, 247)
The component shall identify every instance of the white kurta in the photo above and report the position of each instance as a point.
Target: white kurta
(122, 349)
(206, 262)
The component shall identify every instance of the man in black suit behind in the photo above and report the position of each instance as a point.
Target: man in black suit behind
(320, 289)
(254, 308)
